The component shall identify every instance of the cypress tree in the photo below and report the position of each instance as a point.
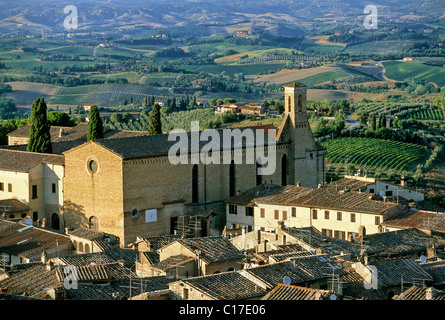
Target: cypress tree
(382, 120)
(155, 125)
(39, 136)
(95, 125)
(374, 123)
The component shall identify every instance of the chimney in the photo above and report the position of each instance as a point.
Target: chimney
(319, 185)
(244, 237)
(403, 182)
(61, 132)
(298, 184)
(430, 293)
(362, 232)
(57, 293)
(44, 258)
(43, 222)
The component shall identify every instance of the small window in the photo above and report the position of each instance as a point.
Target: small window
(352, 217)
(262, 213)
(339, 216)
(284, 215)
(377, 221)
(35, 216)
(294, 212)
(249, 211)
(326, 215)
(371, 190)
(53, 186)
(92, 166)
(276, 214)
(314, 214)
(232, 209)
(9, 187)
(2, 186)
(34, 191)
(326, 232)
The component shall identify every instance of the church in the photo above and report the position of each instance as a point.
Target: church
(128, 187)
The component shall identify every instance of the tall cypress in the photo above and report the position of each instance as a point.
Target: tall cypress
(374, 123)
(39, 136)
(155, 125)
(382, 121)
(95, 125)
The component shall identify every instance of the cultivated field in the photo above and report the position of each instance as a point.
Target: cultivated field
(374, 154)
(289, 75)
(24, 93)
(399, 70)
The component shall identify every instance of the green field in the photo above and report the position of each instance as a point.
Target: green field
(323, 77)
(230, 70)
(398, 70)
(106, 95)
(428, 114)
(368, 153)
(376, 47)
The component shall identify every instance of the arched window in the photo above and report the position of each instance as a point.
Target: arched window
(80, 247)
(93, 223)
(195, 184)
(300, 103)
(232, 185)
(289, 105)
(284, 170)
(75, 244)
(87, 248)
(55, 221)
(230, 269)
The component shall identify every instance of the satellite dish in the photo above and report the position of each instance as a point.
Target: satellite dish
(422, 259)
(382, 193)
(333, 297)
(134, 213)
(287, 280)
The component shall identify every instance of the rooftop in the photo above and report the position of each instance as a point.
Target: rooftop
(420, 293)
(246, 198)
(172, 262)
(401, 241)
(420, 219)
(392, 271)
(13, 206)
(314, 239)
(23, 161)
(213, 249)
(299, 270)
(328, 197)
(30, 281)
(226, 286)
(290, 292)
(22, 240)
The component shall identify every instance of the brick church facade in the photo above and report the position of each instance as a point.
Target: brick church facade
(129, 188)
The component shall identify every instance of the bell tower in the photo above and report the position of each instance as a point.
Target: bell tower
(305, 156)
(295, 103)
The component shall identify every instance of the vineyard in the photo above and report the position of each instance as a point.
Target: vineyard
(428, 114)
(106, 95)
(375, 154)
(415, 110)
